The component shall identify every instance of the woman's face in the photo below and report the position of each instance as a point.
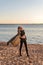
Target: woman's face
(19, 30)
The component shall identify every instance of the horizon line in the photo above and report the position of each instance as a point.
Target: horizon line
(21, 24)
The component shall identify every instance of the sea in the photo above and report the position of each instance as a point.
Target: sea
(34, 32)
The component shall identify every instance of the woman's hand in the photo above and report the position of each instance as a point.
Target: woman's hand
(23, 37)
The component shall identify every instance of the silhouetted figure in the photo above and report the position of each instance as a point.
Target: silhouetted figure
(23, 40)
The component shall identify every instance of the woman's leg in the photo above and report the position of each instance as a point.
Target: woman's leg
(21, 43)
(25, 43)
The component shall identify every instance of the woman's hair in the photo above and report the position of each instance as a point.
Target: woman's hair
(19, 27)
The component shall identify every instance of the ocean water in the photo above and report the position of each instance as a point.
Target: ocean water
(34, 32)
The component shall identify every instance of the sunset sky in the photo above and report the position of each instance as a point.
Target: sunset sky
(21, 11)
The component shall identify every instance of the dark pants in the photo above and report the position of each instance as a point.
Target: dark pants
(25, 43)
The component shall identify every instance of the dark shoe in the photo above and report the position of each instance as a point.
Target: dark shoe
(7, 43)
(30, 61)
(20, 55)
(28, 55)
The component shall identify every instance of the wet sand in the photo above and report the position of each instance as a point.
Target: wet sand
(9, 55)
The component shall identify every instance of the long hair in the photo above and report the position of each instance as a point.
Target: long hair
(19, 29)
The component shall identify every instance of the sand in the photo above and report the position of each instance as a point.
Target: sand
(9, 55)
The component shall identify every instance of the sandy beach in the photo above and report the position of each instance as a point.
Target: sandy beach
(9, 55)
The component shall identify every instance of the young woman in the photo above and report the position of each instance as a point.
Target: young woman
(22, 39)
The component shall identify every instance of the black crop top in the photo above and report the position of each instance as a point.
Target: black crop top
(22, 32)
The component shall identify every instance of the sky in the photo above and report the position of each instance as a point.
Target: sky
(21, 11)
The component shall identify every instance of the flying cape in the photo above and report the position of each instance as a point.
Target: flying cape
(15, 40)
